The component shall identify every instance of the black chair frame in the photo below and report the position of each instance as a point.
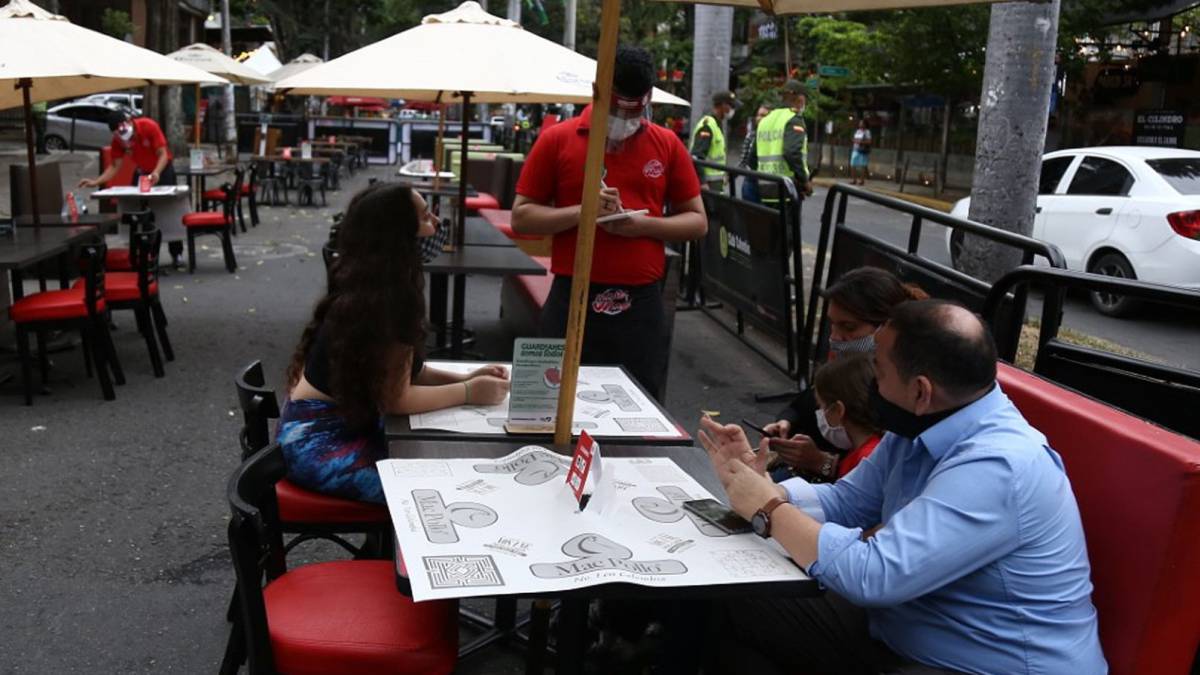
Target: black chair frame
(148, 310)
(224, 231)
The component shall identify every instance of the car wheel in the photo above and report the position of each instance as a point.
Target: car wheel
(54, 142)
(1110, 304)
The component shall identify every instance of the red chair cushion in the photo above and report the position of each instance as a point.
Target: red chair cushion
(52, 306)
(297, 505)
(205, 218)
(482, 201)
(535, 287)
(216, 195)
(1138, 489)
(117, 259)
(121, 286)
(347, 617)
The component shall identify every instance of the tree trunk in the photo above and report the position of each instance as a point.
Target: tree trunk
(710, 57)
(944, 158)
(154, 25)
(172, 103)
(227, 47)
(569, 12)
(1014, 105)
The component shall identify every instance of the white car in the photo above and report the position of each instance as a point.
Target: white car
(1123, 211)
(131, 101)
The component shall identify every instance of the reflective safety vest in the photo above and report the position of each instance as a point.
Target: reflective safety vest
(768, 143)
(716, 149)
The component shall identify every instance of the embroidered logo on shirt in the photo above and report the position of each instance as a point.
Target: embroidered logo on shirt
(612, 302)
(653, 169)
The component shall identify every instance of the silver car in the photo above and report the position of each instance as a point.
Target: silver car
(85, 122)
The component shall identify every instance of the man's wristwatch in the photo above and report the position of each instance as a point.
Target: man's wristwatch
(760, 522)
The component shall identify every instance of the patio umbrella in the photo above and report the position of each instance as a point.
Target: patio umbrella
(44, 57)
(213, 61)
(297, 65)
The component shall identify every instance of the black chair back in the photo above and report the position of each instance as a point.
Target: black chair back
(91, 266)
(233, 193)
(259, 405)
(256, 546)
(143, 253)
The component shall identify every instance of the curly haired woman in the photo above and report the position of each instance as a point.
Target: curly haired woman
(361, 355)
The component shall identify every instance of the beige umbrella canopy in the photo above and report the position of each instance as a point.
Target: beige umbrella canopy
(463, 50)
(297, 65)
(44, 57)
(62, 60)
(826, 6)
(213, 61)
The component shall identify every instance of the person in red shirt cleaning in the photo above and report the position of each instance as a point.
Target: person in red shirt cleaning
(646, 167)
(139, 140)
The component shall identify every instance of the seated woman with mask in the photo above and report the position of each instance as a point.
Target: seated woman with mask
(361, 355)
(859, 303)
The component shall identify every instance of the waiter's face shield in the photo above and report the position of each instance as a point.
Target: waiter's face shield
(124, 130)
(625, 117)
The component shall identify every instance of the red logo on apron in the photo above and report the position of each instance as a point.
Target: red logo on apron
(653, 169)
(612, 302)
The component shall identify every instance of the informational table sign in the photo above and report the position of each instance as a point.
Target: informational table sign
(607, 404)
(1159, 128)
(536, 376)
(472, 527)
(306, 150)
(196, 159)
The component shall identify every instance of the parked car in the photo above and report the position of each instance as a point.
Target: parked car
(131, 101)
(90, 125)
(1122, 211)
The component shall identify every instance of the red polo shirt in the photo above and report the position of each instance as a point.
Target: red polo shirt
(651, 170)
(147, 139)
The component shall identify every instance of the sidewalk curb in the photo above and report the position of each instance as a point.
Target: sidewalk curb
(928, 202)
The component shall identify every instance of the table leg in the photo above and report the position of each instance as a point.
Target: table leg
(572, 628)
(437, 308)
(18, 285)
(460, 311)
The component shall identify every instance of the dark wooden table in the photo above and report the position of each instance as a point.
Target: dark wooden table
(495, 261)
(479, 232)
(399, 428)
(198, 179)
(26, 247)
(106, 223)
(572, 620)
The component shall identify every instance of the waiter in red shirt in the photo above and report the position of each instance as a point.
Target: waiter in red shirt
(646, 167)
(139, 140)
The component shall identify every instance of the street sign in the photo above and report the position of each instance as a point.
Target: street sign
(812, 84)
(833, 71)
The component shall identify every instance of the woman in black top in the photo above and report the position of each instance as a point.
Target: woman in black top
(361, 355)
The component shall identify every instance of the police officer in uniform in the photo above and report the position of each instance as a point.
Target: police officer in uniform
(781, 144)
(708, 140)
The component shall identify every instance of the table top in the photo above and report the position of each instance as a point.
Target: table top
(29, 246)
(132, 192)
(185, 169)
(694, 461)
(399, 427)
(106, 222)
(294, 158)
(494, 261)
(479, 232)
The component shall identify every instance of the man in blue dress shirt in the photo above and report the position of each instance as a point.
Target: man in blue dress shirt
(955, 547)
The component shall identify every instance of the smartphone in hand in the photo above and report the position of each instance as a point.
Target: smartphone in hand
(720, 516)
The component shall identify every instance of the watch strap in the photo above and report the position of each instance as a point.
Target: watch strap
(767, 509)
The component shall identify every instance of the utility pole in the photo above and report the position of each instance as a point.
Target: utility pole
(227, 47)
(1013, 111)
(172, 103)
(325, 51)
(569, 11)
(711, 50)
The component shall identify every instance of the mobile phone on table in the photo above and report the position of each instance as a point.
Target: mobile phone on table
(720, 516)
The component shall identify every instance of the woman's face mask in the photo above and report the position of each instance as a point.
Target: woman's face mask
(864, 344)
(837, 436)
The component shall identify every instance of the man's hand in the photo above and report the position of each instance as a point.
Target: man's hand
(748, 486)
(802, 454)
(780, 429)
(489, 371)
(89, 183)
(153, 178)
(610, 202)
(808, 188)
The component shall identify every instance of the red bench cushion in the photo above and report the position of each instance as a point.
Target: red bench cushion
(204, 218)
(501, 219)
(1138, 489)
(347, 617)
(121, 286)
(535, 287)
(482, 201)
(52, 306)
(297, 505)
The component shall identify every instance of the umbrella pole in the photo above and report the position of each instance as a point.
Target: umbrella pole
(24, 84)
(461, 226)
(196, 122)
(438, 148)
(610, 14)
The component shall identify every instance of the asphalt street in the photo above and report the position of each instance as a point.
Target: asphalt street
(1167, 334)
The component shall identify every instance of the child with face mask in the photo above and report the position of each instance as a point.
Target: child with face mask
(844, 418)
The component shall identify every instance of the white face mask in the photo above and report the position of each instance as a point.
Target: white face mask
(621, 128)
(125, 132)
(837, 436)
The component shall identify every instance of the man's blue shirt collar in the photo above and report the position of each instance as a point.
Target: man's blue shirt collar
(939, 438)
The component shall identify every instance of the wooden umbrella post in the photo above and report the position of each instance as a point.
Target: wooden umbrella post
(461, 221)
(610, 14)
(25, 84)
